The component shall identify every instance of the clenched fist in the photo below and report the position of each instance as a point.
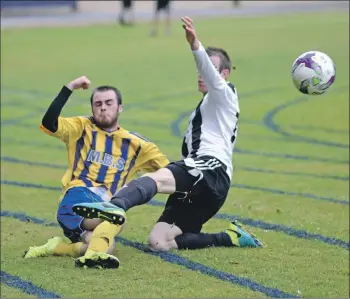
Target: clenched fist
(81, 82)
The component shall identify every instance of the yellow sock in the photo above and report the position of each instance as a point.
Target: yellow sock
(103, 237)
(72, 249)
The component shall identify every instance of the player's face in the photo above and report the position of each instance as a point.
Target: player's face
(201, 86)
(105, 109)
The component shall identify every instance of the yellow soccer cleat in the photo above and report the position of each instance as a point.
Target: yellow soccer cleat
(44, 250)
(99, 260)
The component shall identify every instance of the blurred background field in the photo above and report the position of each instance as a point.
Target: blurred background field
(291, 180)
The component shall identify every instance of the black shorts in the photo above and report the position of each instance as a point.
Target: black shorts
(202, 185)
(163, 4)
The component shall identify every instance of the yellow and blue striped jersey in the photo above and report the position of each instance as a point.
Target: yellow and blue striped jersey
(98, 158)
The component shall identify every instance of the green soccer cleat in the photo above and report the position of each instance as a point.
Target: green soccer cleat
(44, 250)
(240, 237)
(102, 210)
(98, 260)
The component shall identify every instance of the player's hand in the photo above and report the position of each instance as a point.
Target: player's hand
(190, 33)
(81, 82)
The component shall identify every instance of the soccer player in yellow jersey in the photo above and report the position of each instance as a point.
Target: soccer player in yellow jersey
(102, 157)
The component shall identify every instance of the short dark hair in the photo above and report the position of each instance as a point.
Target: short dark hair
(106, 88)
(225, 59)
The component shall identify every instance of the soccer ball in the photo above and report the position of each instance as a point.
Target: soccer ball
(313, 73)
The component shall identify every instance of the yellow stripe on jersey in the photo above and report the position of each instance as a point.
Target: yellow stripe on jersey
(99, 158)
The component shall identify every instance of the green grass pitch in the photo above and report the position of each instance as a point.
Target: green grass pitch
(291, 164)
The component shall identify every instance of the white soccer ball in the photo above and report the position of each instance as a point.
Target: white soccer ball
(313, 73)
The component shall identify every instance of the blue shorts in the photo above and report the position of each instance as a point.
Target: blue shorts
(68, 220)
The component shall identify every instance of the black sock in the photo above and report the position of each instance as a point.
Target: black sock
(135, 193)
(201, 240)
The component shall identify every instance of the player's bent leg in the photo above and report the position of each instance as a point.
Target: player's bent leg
(189, 218)
(57, 247)
(189, 224)
(162, 237)
(80, 248)
(75, 228)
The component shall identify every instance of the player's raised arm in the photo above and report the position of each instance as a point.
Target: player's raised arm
(207, 70)
(50, 119)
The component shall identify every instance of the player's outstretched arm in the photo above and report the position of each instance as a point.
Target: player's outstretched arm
(206, 68)
(50, 119)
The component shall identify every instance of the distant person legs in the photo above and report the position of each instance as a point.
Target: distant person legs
(126, 12)
(165, 6)
(236, 3)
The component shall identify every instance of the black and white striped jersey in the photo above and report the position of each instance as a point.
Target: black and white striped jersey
(212, 127)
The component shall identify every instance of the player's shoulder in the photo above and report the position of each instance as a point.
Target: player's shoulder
(138, 136)
(82, 119)
(85, 120)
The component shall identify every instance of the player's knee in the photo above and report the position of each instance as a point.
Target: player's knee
(162, 236)
(165, 180)
(157, 244)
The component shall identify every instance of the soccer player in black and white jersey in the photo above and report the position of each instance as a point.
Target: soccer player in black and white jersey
(199, 183)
